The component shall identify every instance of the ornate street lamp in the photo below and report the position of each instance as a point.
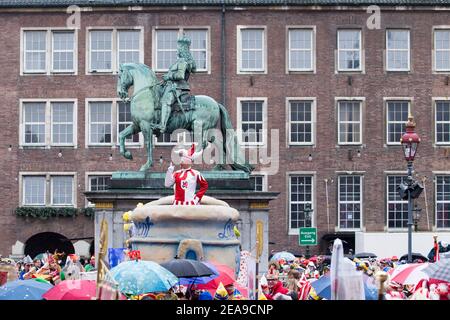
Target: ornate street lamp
(410, 142)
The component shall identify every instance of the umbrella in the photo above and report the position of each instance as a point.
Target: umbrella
(409, 273)
(226, 276)
(439, 270)
(186, 268)
(283, 255)
(139, 277)
(201, 280)
(414, 257)
(365, 255)
(322, 287)
(24, 290)
(72, 290)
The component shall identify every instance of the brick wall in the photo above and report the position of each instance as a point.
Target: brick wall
(276, 85)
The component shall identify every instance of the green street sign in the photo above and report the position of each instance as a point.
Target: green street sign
(307, 237)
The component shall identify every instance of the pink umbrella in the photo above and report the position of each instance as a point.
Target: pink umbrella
(226, 276)
(409, 273)
(72, 290)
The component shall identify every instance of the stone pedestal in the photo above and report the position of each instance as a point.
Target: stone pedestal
(130, 188)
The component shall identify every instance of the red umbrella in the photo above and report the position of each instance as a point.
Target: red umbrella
(226, 276)
(72, 290)
(409, 273)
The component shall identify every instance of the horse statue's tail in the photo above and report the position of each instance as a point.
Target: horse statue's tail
(230, 139)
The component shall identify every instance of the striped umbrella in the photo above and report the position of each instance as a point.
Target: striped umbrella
(410, 273)
(439, 270)
(283, 255)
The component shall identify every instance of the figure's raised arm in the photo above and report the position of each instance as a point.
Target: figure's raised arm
(169, 180)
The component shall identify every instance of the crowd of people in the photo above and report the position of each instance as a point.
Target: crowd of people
(54, 267)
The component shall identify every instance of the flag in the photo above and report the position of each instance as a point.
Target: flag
(305, 287)
(436, 250)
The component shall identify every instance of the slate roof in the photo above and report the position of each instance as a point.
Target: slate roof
(97, 3)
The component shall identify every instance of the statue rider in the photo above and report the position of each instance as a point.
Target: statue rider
(176, 80)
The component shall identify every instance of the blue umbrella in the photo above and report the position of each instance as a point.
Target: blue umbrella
(283, 255)
(322, 286)
(139, 277)
(24, 290)
(201, 280)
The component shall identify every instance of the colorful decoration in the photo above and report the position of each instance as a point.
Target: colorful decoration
(221, 293)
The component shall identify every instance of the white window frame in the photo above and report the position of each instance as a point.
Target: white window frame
(312, 174)
(362, 101)
(239, 69)
(387, 175)
(436, 174)
(114, 48)
(313, 49)
(87, 183)
(264, 121)
(51, 192)
(49, 52)
(22, 190)
(386, 100)
(48, 123)
(265, 179)
(361, 196)
(48, 188)
(387, 50)
(361, 52)
(313, 121)
(114, 125)
(435, 100)
(181, 138)
(180, 33)
(434, 50)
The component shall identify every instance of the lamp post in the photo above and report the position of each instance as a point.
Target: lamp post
(307, 211)
(410, 142)
(416, 217)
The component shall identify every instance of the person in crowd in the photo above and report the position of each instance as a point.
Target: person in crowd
(276, 291)
(37, 263)
(25, 271)
(311, 272)
(91, 265)
(230, 290)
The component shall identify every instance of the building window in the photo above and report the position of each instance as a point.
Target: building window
(252, 50)
(350, 202)
(397, 208)
(301, 123)
(58, 131)
(100, 123)
(300, 194)
(129, 46)
(63, 51)
(62, 123)
(442, 122)
(301, 49)
(397, 50)
(259, 182)
(99, 183)
(442, 50)
(349, 50)
(61, 46)
(62, 190)
(349, 122)
(34, 190)
(251, 117)
(34, 123)
(166, 47)
(101, 50)
(110, 48)
(397, 116)
(124, 120)
(443, 201)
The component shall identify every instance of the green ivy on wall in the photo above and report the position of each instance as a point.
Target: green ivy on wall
(51, 212)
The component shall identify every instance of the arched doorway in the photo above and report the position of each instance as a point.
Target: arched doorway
(47, 241)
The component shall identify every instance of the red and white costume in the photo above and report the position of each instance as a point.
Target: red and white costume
(185, 181)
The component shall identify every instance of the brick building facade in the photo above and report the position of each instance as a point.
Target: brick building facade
(337, 91)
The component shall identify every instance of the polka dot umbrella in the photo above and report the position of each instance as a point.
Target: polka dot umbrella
(24, 290)
(138, 277)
